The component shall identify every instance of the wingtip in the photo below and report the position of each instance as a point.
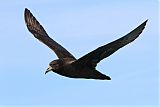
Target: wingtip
(27, 14)
(145, 21)
(143, 24)
(26, 10)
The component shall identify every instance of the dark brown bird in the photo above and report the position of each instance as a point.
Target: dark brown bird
(84, 67)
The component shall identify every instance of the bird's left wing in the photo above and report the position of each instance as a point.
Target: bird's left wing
(38, 31)
(91, 59)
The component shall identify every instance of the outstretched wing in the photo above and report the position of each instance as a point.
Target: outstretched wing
(38, 31)
(91, 59)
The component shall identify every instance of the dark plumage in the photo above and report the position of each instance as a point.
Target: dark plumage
(84, 67)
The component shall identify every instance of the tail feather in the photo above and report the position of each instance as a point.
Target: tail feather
(98, 75)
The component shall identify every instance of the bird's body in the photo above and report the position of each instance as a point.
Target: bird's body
(84, 67)
(66, 67)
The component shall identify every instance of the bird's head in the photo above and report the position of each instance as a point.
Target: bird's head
(53, 66)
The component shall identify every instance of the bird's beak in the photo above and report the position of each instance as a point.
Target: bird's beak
(48, 69)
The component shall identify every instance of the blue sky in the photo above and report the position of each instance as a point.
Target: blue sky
(80, 26)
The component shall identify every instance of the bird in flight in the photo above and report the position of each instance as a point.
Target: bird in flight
(84, 67)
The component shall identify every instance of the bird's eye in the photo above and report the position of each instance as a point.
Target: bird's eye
(53, 64)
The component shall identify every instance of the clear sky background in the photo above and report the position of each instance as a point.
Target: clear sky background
(80, 26)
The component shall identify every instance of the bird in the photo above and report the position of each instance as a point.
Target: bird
(85, 67)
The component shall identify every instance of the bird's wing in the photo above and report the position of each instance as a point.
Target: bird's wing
(38, 31)
(91, 59)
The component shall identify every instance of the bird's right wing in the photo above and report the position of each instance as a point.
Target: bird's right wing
(91, 59)
(38, 31)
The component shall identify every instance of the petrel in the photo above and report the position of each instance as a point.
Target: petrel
(84, 67)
